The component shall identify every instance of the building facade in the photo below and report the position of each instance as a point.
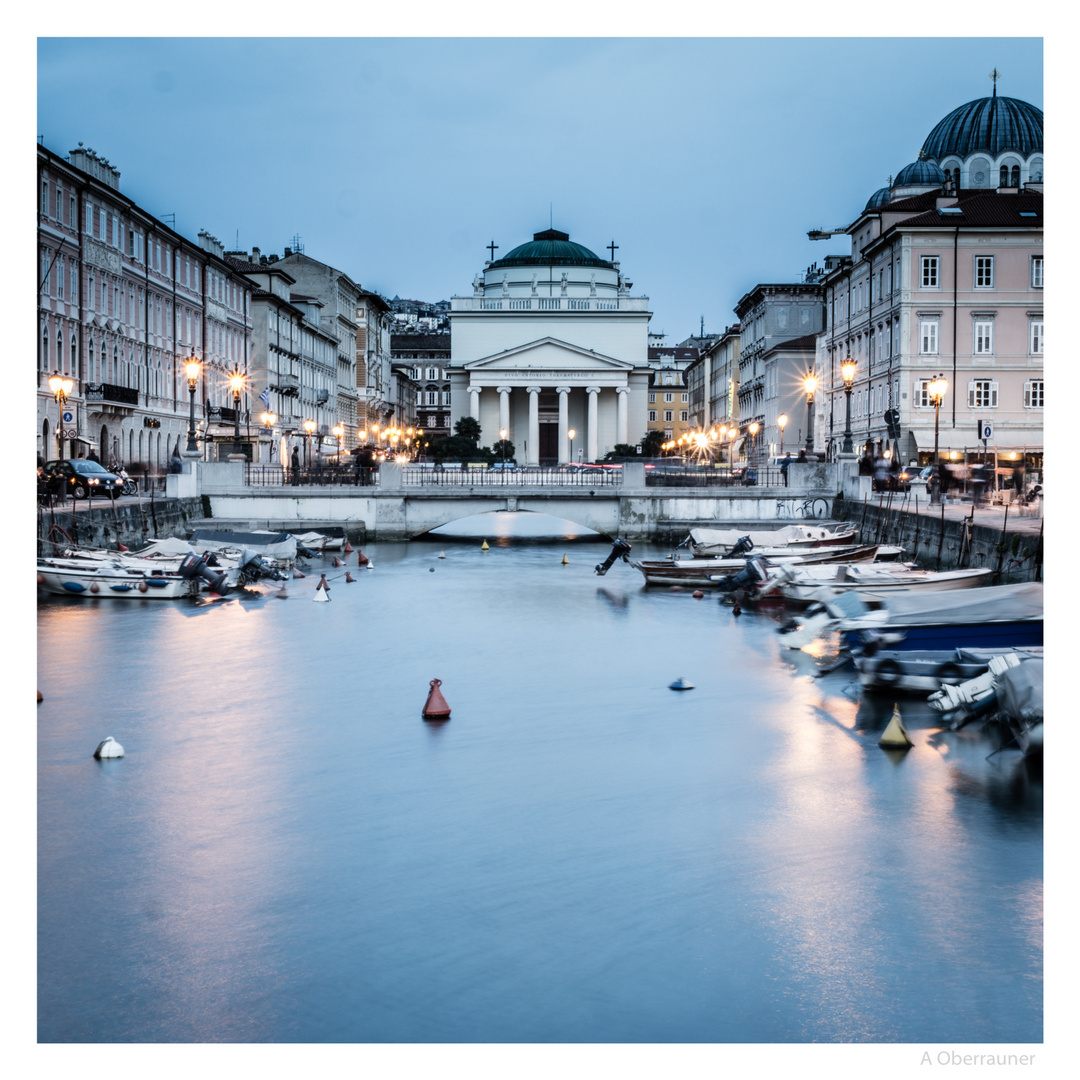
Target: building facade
(124, 302)
(945, 277)
(669, 397)
(427, 357)
(551, 340)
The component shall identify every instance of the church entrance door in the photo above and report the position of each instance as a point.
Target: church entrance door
(549, 444)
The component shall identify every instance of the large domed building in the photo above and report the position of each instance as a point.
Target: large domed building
(551, 342)
(944, 276)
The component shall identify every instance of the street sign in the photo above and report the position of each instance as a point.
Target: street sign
(71, 433)
(986, 430)
(68, 417)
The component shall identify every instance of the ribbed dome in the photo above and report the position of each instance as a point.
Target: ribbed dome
(551, 248)
(919, 172)
(879, 198)
(992, 125)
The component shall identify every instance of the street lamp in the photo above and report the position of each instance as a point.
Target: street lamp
(502, 444)
(571, 433)
(339, 431)
(847, 369)
(60, 388)
(810, 385)
(753, 429)
(782, 422)
(192, 369)
(236, 381)
(269, 419)
(938, 385)
(309, 427)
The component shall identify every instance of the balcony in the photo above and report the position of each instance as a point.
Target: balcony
(119, 395)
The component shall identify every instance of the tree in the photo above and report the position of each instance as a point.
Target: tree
(621, 451)
(651, 443)
(503, 450)
(468, 427)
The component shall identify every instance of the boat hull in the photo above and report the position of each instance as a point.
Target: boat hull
(102, 584)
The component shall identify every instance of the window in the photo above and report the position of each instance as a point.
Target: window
(432, 397)
(928, 337)
(59, 203)
(90, 292)
(984, 337)
(669, 415)
(1036, 337)
(45, 197)
(929, 272)
(101, 225)
(668, 398)
(1033, 394)
(1036, 271)
(984, 271)
(683, 415)
(44, 348)
(684, 399)
(74, 355)
(921, 394)
(652, 399)
(60, 281)
(652, 416)
(982, 394)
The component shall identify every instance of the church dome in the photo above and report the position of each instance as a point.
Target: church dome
(919, 172)
(551, 248)
(992, 125)
(879, 198)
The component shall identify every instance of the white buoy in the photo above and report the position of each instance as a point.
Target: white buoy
(321, 595)
(442, 554)
(108, 748)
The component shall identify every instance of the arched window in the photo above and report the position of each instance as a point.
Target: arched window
(101, 371)
(90, 360)
(1004, 176)
(59, 350)
(1014, 176)
(44, 348)
(74, 356)
(114, 374)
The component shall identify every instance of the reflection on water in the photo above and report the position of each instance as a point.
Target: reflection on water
(288, 852)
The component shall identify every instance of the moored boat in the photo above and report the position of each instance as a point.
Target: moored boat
(923, 672)
(122, 577)
(707, 543)
(806, 584)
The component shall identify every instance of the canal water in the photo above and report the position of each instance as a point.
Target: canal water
(287, 852)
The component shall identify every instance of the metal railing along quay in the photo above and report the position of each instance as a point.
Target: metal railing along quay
(710, 476)
(524, 476)
(327, 476)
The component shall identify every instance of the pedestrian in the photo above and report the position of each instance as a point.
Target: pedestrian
(866, 464)
(114, 465)
(295, 479)
(802, 454)
(881, 473)
(784, 467)
(176, 463)
(92, 456)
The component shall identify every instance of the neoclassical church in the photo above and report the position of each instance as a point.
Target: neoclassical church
(552, 349)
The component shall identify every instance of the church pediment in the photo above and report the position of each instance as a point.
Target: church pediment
(548, 354)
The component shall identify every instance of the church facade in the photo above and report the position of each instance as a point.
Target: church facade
(552, 349)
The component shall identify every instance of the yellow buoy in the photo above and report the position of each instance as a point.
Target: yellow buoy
(895, 734)
(484, 546)
(565, 560)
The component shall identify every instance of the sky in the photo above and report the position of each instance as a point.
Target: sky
(398, 160)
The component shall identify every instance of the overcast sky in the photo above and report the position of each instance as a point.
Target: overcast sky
(398, 160)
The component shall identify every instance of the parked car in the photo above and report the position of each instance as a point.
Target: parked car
(83, 479)
(906, 477)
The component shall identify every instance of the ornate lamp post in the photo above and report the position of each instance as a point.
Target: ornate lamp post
(810, 385)
(269, 419)
(754, 428)
(60, 388)
(937, 389)
(236, 381)
(309, 427)
(570, 434)
(502, 444)
(847, 369)
(781, 420)
(339, 432)
(192, 369)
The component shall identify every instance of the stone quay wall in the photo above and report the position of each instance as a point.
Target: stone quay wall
(105, 524)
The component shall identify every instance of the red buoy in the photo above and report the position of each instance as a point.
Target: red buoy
(122, 547)
(435, 708)
(297, 574)
(735, 609)
(94, 587)
(337, 561)
(698, 594)
(348, 548)
(348, 577)
(41, 579)
(361, 559)
(322, 583)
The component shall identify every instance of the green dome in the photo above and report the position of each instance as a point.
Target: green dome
(551, 248)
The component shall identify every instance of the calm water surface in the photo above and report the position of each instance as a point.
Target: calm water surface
(287, 852)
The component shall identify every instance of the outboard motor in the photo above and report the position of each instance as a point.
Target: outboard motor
(253, 567)
(749, 577)
(619, 550)
(194, 566)
(742, 547)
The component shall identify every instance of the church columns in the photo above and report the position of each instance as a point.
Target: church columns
(593, 434)
(622, 398)
(564, 422)
(504, 410)
(532, 451)
(474, 402)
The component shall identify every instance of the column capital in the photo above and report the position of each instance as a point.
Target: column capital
(474, 389)
(562, 389)
(622, 389)
(592, 389)
(503, 389)
(533, 389)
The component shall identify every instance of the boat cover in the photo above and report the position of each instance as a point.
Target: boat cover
(1022, 602)
(1020, 691)
(789, 534)
(168, 545)
(270, 545)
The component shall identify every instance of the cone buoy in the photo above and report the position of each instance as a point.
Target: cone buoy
(698, 594)
(431, 569)
(895, 734)
(297, 574)
(41, 579)
(361, 559)
(442, 554)
(735, 609)
(349, 578)
(484, 546)
(122, 547)
(348, 548)
(565, 560)
(681, 684)
(39, 697)
(142, 586)
(337, 561)
(94, 587)
(435, 708)
(322, 590)
(282, 594)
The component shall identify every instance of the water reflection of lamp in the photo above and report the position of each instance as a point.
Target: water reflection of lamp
(60, 388)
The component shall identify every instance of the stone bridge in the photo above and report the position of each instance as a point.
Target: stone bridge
(396, 510)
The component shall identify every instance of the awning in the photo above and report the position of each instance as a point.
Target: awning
(737, 445)
(79, 438)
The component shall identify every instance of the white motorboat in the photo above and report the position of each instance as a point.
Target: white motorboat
(923, 672)
(125, 577)
(707, 543)
(806, 584)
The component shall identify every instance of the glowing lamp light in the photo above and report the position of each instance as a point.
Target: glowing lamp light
(847, 370)
(810, 385)
(192, 369)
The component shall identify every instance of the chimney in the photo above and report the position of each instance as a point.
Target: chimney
(288, 252)
(255, 255)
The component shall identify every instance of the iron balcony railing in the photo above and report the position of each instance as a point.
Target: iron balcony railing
(122, 395)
